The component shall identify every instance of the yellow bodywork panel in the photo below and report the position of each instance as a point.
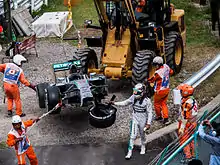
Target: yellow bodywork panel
(116, 52)
(183, 34)
(176, 16)
(113, 72)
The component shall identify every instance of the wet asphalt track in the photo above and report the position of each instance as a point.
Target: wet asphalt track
(82, 154)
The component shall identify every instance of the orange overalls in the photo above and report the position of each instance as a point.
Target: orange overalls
(23, 147)
(189, 110)
(12, 76)
(161, 80)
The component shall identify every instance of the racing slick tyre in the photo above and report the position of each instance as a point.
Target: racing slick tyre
(100, 116)
(53, 98)
(142, 69)
(88, 59)
(174, 51)
(41, 94)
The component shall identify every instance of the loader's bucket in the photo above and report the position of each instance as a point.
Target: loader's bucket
(102, 115)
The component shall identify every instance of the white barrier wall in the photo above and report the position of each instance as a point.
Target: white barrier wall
(34, 5)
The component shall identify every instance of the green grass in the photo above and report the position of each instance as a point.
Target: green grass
(3, 145)
(85, 10)
(197, 31)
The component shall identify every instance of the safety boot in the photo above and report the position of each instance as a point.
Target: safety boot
(9, 113)
(158, 118)
(143, 148)
(22, 115)
(166, 121)
(129, 154)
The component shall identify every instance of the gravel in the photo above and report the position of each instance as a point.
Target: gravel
(71, 126)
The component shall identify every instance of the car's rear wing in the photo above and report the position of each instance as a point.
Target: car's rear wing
(66, 65)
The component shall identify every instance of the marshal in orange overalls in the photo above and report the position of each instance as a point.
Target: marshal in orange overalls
(161, 80)
(13, 75)
(23, 147)
(187, 121)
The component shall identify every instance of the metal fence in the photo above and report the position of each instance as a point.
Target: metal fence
(172, 154)
(198, 77)
(204, 151)
(33, 5)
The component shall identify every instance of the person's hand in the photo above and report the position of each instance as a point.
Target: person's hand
(32, 87)
(150, 80)
(207, 123)
(18, 139)
(152, 85)
(35, 120)
(147, 127)
(112, 102)
(181, 131)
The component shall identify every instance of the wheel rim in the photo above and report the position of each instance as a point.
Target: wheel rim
(178, 53)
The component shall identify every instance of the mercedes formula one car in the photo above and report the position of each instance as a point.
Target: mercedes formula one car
(75, 87)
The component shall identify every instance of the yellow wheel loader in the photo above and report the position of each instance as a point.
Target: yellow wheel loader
(130, 39)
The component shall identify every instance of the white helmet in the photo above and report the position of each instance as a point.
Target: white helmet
(16, 119)
(138, 90)
(18, 59)
(158, 60)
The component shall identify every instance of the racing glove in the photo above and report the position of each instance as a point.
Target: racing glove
(181, 131)
(32, 87)
(147, 127)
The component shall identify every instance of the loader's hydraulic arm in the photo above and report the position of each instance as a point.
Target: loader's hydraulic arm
(115, 14)
(118, 21)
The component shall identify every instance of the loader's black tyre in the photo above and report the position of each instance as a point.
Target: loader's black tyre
(102, 117)
(53, 98)
(142, 65)
(174, 51)
(41, 94)
(88, 59)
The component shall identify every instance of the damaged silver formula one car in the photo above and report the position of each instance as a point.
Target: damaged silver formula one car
(75, 87)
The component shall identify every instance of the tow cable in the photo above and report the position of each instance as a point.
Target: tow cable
(44, 115)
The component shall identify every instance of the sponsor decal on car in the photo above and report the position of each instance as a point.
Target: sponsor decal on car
(66, 65)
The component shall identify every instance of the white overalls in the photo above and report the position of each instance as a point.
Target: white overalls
(142, 115)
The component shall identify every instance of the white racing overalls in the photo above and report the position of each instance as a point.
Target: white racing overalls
(142, 115)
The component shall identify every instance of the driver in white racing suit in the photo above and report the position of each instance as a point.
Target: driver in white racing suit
(141, 117)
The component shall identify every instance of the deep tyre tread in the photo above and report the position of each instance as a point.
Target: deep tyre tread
(41, 94)
(53, 98)
(141, 64)
(86, 55)
(170, 49)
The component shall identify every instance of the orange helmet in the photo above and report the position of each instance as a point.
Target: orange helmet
(186, 90)
(142, 2)
(140, 6)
